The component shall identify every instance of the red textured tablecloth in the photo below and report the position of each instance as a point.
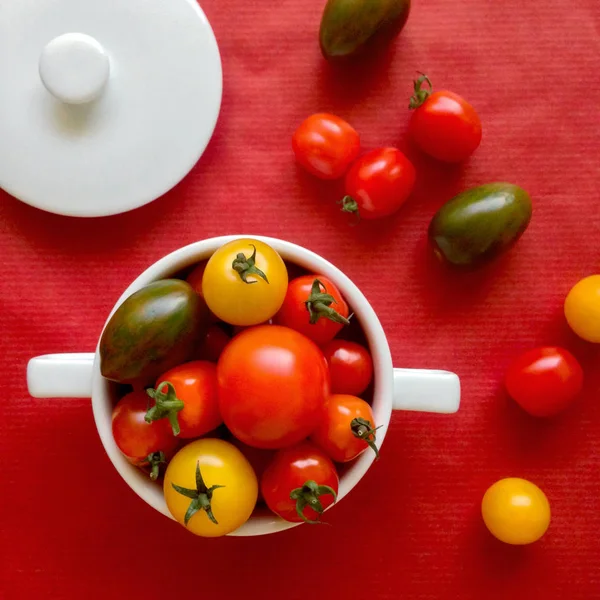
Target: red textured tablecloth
(71, 528)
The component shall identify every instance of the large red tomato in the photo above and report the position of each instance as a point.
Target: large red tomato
(300, 483)
(273, 383)
(325, 145)
(315, 307)
(544, 381)
(139, 441)
(444, 125)
(187, 396)
(378, 183)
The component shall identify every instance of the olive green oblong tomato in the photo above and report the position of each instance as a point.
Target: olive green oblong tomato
(348, 26)
(480, 223)
(153, 330)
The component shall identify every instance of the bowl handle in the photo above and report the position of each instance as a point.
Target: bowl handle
(61, 375)
(426, 391)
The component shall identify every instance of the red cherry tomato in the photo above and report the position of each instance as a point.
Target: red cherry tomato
(188, 396)
(139, 441)
(214, 343)
(544, 381)
(378, 183)
(443, 124)
(273, 383)
(325, 145)
(300, 483)
(346, 429)
(314, 307)
(350, 367)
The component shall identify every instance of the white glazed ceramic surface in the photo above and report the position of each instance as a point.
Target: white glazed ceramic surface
(405, 389)
(104, 106)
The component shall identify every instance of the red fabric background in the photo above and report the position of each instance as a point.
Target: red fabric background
(71, 528)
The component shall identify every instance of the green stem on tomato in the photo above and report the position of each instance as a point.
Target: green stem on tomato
(364, 430)
(154, 461)
(167, 405)
(308, 495)
(200, 497)
(319, 304)
(420, 94)
(247, 266)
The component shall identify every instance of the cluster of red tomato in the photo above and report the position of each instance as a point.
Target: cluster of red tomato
(267, 406)
(443, 125)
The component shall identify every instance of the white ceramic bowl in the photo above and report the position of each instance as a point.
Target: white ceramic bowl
(78, 375)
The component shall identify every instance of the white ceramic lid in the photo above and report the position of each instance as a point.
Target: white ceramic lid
(105, 105)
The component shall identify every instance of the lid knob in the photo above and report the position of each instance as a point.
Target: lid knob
(74, 67)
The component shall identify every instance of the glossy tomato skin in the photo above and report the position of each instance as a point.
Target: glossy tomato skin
(295, 314)
(325, 145)
(516, 511)
(247, 298)
(334, 431)
(350, 367)
(135, 438)
(290, 470)
(544, 381)
(196, 386)
(273, 383)
(446, 127)
(379, 182)
(220, 463)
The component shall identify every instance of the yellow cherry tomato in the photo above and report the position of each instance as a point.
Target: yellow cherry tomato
(245, 282)
(582, 309)
(516, 511)
(210, 487)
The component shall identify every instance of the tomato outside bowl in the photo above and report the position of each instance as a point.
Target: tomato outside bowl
(78, 376)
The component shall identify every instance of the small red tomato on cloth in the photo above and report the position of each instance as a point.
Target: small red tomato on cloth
(350, 367)
(443, 124)
(300, 483)
(187, 395)
(273, 383)
(346, 429)
(544, 381)
(315, 307)
(378, 183)
(325, 145)
(141, 442)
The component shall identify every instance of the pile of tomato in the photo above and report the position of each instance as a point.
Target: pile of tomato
(272, 398)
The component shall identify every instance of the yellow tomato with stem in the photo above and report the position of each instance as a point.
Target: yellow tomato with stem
(210, 487)
(582, 309)
(516, 511)
(245, 282)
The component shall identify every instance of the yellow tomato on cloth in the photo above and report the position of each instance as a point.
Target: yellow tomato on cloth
(516, 511)
(582, 309)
